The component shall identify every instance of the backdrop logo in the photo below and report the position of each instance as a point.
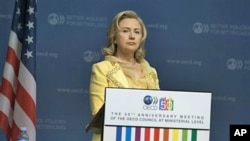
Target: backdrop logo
(90, 56)
(233, 64)
(55, 19)
(150, 103)
(199, 28)
(77, 20)
(236, 64)
(221, 29)
(166, 104)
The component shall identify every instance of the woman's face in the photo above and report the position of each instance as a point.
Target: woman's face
(128, 37)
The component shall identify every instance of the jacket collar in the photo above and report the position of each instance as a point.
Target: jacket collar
(116, 76)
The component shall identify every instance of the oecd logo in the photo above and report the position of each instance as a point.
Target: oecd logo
(150, 103)
(199, 28)
(90, 56)
(55, 19)
(233, 64)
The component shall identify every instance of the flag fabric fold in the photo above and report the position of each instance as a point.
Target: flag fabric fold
(18, 87)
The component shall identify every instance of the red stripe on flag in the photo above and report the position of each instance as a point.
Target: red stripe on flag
(8, 92)
(12, 59)
(14, 131)
(26, 102)
(4, 124)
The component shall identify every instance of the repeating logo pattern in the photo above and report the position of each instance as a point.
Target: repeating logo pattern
(91, 56)
(221, 29)
(237, 64)
(56, 19)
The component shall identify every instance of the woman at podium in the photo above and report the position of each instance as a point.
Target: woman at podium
(124, 65)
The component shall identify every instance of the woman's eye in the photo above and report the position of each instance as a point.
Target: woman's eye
(137, 32)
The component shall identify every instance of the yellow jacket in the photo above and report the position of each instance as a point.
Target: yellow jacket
(110, 74)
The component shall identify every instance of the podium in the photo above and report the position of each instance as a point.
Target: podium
(154, 115)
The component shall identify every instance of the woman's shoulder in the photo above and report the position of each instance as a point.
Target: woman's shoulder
(145, 63)
(103, 64)
(146, 66)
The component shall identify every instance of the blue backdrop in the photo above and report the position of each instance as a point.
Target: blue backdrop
(195, 46)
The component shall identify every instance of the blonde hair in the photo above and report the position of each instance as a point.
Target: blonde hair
(110, 49)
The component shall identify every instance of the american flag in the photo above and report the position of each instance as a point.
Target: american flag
(18, 88)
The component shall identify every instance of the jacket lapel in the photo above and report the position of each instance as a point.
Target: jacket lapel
(117, 77)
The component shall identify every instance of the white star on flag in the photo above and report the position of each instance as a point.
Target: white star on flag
(30, 25)
(18, 12)
(31, 10)
(28, 54)
(29, 39)
(19, 26)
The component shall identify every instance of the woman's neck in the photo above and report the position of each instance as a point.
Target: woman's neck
(126, 58)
